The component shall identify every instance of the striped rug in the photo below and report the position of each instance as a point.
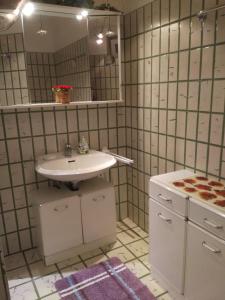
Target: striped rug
(108, 280)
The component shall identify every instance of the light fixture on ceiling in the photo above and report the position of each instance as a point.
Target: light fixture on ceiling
(28, 9)
(100, 35)
(82, 15)
(42, 31)
(109, 32)
(99, 41)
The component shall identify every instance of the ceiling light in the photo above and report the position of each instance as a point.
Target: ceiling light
(100, 35)
(42, 32)
(79, 17)
(28, 9)
(84, 13)
(109, 33)
(99, 41)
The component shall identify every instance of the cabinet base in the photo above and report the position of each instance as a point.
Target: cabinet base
(164, 283)
(66, 254)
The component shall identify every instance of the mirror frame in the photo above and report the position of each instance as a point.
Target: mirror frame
(53, 9)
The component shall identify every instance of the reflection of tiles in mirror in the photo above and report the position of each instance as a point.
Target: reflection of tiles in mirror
(69, 65)
(13, 79)
(30, 279)
(104, 77)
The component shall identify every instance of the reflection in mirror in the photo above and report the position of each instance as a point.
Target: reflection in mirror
(103, 50)
(13, 80)
(56, 54)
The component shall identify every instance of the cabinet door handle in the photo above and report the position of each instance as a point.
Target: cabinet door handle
(206, 221)
(164, 218)
(60, 208)
(216, 251)
(164, 198)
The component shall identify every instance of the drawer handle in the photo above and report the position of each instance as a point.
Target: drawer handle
(216, 251)
(206, 221)
(60, 208)
(164, 218)
(99, 198)
(164, 198)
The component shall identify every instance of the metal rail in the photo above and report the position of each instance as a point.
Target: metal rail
(202, 15)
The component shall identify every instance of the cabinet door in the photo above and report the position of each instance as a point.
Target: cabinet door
(167, 244)
(98, 214)
(205, 267)
(60, 223)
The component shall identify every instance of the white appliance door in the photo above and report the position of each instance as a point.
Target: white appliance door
(167, 245)
(60, 223)
(98, 214)
(205, 267)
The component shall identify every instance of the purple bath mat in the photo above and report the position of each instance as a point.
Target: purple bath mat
(108, 280)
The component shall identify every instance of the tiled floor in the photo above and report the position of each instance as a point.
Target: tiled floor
(30, 279)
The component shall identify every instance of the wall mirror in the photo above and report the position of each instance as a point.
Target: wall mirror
(61, 46)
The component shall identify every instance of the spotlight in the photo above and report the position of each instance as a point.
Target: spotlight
(79, 17)
(99, 41)
(28, 9)
(84, 13)
(100, 35)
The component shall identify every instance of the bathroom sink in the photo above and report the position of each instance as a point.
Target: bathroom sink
(76, 168)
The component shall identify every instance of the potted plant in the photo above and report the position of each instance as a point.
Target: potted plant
(62, 94)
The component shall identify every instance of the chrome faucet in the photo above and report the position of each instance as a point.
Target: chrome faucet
(68, 150)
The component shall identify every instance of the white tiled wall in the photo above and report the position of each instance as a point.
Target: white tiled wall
(175, 94)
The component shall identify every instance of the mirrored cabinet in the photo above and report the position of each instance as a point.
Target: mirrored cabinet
(61, 55)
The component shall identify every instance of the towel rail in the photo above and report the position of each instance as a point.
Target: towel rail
(122, 159)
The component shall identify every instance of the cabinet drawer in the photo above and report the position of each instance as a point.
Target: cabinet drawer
(168, 197)
(167, 235)
(206, 217)
(205, 265)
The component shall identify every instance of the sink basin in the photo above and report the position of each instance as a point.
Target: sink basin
(75, 168)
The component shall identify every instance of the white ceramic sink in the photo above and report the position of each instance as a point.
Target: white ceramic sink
(75, 168)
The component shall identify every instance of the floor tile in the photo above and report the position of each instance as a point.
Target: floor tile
(145, 260)
(122, 253)
(153, 285)
(95, 260)
(121, 227)
(127, 237)
(112, 246)
(39, 269)
(68, 262)
(72, 269)
(23, 292)
(14, 261)
(18, 276)
(54, 296)
(137, 268)
(140, 232)
(138, 248)
(90, 254)
(32, 256)
(129, 223)
(46, 285)
(165, 297)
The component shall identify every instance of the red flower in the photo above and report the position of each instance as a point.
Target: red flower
(62, 87)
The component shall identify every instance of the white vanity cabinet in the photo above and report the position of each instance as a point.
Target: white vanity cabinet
(70, 223)
(205, 265)
(98, 214)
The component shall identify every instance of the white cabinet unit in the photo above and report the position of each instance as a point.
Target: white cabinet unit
(187, 238)
(167, 242)
(60, 225)
(70, 223)
(98, 214)
(205, 265)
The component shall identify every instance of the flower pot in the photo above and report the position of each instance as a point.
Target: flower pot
(62, 97)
